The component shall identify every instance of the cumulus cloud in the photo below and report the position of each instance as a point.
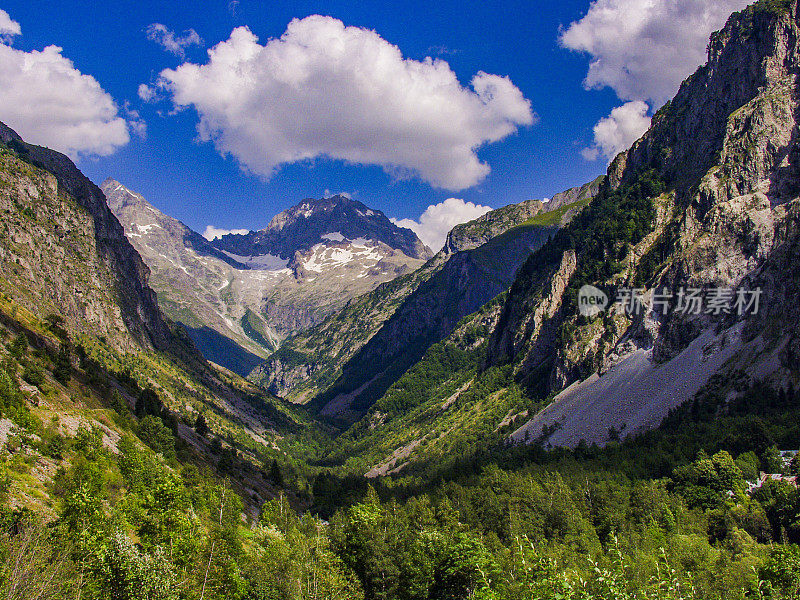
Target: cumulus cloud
(51, 103)
(147, 93)
(171, 42)
(326, 90)
(643, 49)
(135, 122)
(8, 27)
(616, 132)
(438, 219)
(212, 232)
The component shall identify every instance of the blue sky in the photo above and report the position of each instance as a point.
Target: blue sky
(520, 41)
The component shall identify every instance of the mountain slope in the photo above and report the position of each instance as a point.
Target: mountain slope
(189, 276)
(713, 187)
(80, 264)
(353, 357)
(494, 223)
(713, 210)
(237, 297)
(74, 289)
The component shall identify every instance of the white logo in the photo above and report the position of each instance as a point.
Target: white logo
(591, 301)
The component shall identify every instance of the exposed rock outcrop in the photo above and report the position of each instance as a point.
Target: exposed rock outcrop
(726, 151)
(96, 278)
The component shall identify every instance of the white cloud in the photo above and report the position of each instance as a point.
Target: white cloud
(438, 219)
(212, 232)
(8, 27)
(171, 42)
(51, 103)
(135, 122)
(643, 49)
(326, 90)
(616, 132)
(328, 194)
(147, 93)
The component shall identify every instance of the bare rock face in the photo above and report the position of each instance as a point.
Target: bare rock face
(282, 378)
(725, 149)
(86, 267)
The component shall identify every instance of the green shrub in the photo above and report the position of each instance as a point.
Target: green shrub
(33, 374)
(62, 365)
(158, 436)
(781, 573)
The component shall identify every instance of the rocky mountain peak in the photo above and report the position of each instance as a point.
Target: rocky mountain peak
(312, 208)
(238, 297)
(323, 221)
(706, 200)
(755, 50)
(121, 198)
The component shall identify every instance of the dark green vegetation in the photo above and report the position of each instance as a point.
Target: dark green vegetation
(772, 7)
(129, 512)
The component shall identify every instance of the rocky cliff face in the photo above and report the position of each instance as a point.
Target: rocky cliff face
(712, 192)
(303, 226)
(66, 252)
(239, 305)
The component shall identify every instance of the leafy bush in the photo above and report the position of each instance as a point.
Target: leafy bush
(62, 365)
(89, 442)
(781, 573)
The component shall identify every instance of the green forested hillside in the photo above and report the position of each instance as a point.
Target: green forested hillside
(127, 510)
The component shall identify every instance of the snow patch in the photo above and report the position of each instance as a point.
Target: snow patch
(325, 258)
(169, 260)
(146, 228)
(336, 236)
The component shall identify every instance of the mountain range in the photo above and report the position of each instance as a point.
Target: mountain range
(333, 306)
(705, 201)
(579, 398)
(240, 296)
